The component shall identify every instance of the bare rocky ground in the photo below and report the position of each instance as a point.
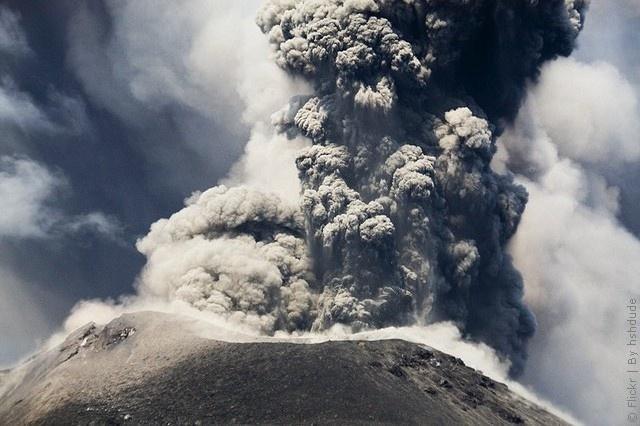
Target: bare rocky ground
(151, 368)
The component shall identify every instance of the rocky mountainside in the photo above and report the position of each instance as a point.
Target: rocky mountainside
(151, 368)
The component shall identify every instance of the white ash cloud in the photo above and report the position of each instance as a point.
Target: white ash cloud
(578, 258)
(592, 115)
(242, 254)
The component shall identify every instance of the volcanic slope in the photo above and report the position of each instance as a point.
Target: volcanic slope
(152, 368)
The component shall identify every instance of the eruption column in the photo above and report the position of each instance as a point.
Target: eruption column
(401, 218)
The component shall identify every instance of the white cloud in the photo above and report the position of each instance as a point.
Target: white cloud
(579, 263)
(590, 111)
(580, 267)
(94, 222)
(19, 109)
(25, 188)
(12, 37)
(28, 191)
(22, 117)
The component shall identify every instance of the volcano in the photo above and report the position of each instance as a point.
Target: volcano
(153, 368)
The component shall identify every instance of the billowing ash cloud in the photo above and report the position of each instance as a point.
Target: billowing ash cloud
(234, 251)
(401, 218)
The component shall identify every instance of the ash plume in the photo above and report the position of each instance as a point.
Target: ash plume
(401, 219)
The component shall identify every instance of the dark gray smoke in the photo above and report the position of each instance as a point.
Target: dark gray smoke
(403, 218)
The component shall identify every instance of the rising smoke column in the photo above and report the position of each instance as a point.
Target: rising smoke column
(401, 218)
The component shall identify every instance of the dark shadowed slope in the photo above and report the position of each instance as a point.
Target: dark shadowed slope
(150, 368)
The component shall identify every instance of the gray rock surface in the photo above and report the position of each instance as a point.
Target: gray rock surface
(151, 368)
